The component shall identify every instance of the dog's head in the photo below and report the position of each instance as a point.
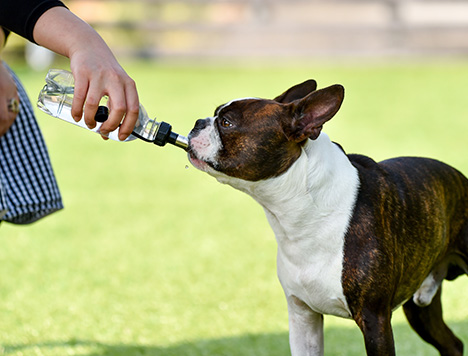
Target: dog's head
(255, 139)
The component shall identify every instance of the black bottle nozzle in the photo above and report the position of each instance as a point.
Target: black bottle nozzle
(164, 132)
(102, 114)
(165, 135)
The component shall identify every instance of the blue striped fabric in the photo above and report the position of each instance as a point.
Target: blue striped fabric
(28, 189)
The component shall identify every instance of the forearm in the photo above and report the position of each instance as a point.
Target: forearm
(20, 16)
(59, 30)
(8, 92)
(2, 41)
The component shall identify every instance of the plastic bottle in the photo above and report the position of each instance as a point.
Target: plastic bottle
(56, 100)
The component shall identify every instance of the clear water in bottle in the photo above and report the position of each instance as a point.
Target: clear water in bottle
(56, 99)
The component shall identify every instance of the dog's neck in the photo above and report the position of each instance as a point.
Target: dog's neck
(317, 193)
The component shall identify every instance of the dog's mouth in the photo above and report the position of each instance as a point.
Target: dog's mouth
(194, 159)
(201, 151)
(197, 162)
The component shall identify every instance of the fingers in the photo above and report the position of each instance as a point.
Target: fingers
(123, 102)
(79, 97)
(123, 105)
(9, 100)
(3, 108)
(117, 108)
(133, 107)
(7, 114)
(91, 105)
(89, 90)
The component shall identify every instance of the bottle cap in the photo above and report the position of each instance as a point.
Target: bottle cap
(163, 133)
(102, 114)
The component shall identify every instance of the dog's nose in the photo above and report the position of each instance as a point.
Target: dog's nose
(200, 124)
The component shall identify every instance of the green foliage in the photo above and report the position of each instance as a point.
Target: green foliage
(152, 258)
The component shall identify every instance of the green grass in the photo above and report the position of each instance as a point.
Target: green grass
(152, 258)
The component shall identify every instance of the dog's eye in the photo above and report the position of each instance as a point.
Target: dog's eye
(226, 123)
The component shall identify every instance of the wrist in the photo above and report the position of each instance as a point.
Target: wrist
(88, 43)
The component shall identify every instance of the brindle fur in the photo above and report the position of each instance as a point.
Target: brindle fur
(411, 215)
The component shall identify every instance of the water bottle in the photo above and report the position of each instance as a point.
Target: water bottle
(56, 99)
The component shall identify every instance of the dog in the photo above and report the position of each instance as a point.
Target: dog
(356, 238)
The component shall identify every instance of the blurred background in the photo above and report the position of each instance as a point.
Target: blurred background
(264, 28)
(152, 257)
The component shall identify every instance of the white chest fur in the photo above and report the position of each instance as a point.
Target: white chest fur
(309, 208)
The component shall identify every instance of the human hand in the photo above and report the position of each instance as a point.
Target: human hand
(8, 91)
(95, 70)
(98, 74)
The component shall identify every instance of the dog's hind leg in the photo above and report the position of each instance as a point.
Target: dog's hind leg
(377, 331)
(429, 324)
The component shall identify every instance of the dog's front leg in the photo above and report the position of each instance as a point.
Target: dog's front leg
(305, 329)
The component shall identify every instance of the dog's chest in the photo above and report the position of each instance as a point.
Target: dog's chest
(309, 207)
(310, 221)
(311, 270)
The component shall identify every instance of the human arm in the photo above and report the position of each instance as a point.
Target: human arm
(96, 71)
(8, 91)
(94, 67)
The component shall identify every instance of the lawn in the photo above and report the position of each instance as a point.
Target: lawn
(152, 257)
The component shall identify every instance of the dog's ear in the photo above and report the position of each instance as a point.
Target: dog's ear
(297, 92)
(310, 113)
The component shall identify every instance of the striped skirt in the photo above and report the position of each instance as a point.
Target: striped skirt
(28, 189)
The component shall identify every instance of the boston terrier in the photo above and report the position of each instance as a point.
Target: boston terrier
(356, 238)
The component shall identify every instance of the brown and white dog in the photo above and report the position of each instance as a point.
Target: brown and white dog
(356, 238)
